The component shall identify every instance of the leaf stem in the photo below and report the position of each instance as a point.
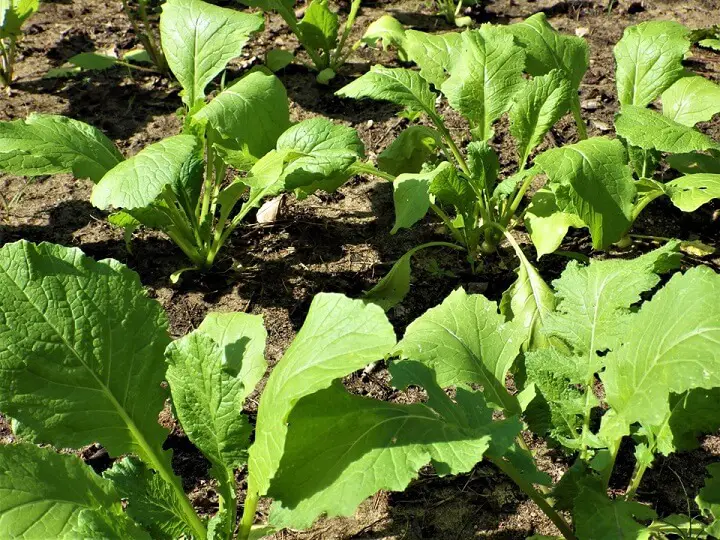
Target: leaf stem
(248, 515)
(577, 115)
(456, 234)
(637, 476)
(536, 496)
(437, 120)
(368, 168)
(337, 58)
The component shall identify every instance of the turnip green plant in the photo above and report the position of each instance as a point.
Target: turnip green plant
(178, 185)
(319, 449)
(319, 32)
(649, 66)
(13, 15)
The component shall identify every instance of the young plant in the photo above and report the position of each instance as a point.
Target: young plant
(649, 66)
(480, 74)
(319, 33)
(13, 14)
(178, 185)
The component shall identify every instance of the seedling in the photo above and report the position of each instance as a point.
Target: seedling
(178, 185)
(318, 32)
(13, 15)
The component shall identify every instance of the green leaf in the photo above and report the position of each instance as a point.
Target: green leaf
(389, 32)
(137, 182)
(321, 154)
(694, 163)
(649, 60)
(410, 150)
(484, 165)
(485, 78)
(591, 180)
(369, 445)
(449, 189)
(93, 61)
(691, 100)
(710, 44)
(434, 54)
(708, 500)
(648, 129)
(679, 354)
(547, 224)
(13, 14)
(547, 49)
(49, 144)
(83, 364)
(44, 493)
(277, 59)
(400, 86)
(199, 39)
(691, 191)
(600, 518)
(528, 301)
(691, 415)
(103, 526)
(150, 500)
(251, 113)
(537, 107)
(319, 27)
(465, 340)
(321, 353)
(411, 195)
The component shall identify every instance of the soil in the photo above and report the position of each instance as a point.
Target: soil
(337, 242)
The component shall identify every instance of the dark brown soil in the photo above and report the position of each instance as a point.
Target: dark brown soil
(336, 242)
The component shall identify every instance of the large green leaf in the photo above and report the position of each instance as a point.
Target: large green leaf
(81, 350)
(591, 180)
(485, 78)
(547, 49)
(651, 130)
(691, 100)
(465, 340)
(175, 162)
(13, 14)
(251, 113)
(43, 493)
(342, 448)
(435, 54)
(601, 518)
(547, 224)
(411, 195)
(319, 26)
(694, 162)
(541, 103)
(691, 415)
(339, 336)
(199, 39)
(679, 354)
(49, 144)
(408, 152)
(389, 32)
(649, 60)
(322, 152)
(691, 191)
(401, 86)
(150, 500)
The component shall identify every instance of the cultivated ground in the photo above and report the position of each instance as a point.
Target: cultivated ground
(339, 242)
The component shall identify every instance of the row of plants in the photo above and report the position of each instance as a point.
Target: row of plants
(615, 350)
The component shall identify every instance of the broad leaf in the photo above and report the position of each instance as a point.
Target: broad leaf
(251, 113)
(691, 100)
(319, 26)
(96, 376)
(435, 54)
(691, 415)
(175, 162)
(542, 102)
(708, 500)
(648, 129)
(199, 39)
(465, 340)
(44, 493)
(485, 78)
(150, 500)
(369, 445)
(690, 192)
(547, 224)
(411, 195)
(400, 86)
(409, 151)
(680, 353)
(547, 49)
(321, 154)
(694, 163)
(484, 165)
(93, 61)
(591, 180)
(389, 32)
(338, 337)
(649, 60)
(600, 518)
(13, 14)
(49, 144)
